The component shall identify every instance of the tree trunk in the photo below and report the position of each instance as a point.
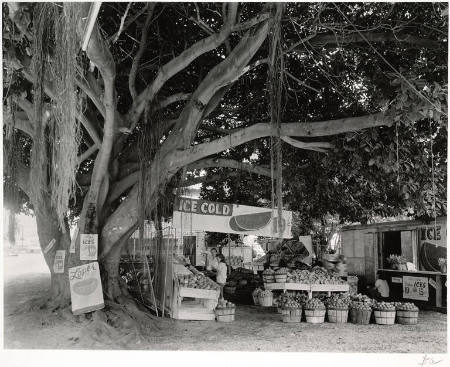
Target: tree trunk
(48, 229)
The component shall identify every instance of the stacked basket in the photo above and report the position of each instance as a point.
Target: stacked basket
(266, 298)
(281, 275)
(315, 311)
(407, 313)
(337, 308)
(360, 312)
(384, 313)
(268, 276)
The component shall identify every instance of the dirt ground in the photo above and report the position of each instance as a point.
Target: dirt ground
(255, 328)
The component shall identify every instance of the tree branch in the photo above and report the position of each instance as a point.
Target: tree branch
(177, 97)
(335, 40)
(137, 58)
(229, 163)
(317, 146)
(299, 129)
(175, 65)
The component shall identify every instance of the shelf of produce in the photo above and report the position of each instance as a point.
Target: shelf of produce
(198, 293)
(287, 286)
(330, 287)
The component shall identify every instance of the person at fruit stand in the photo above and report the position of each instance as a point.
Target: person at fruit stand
(221, 277)
(211, 260)
(381, 289)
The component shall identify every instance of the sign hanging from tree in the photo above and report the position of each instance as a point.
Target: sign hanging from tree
(86, 288)
(88, 246)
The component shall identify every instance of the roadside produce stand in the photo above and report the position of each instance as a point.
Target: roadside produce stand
(195, 296)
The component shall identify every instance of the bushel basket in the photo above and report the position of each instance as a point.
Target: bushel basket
(280, 278)
(338, 316)
(360, 316)
(315, 316)
(384, 317)
(291, 314)
(407, 317)
(266, 301)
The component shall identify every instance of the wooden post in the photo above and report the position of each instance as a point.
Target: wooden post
(229, 253)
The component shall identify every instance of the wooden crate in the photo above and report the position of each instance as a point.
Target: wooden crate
(193, 311)
(198, 293)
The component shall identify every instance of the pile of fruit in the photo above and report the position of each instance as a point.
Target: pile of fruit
(225, 304)
(317, 276)
(266, 293)
(406, 306)
(383, 306)
(257, 292)
(234, 261)
(339, 301)
(281, 271)
(197, 281)
(268, 272)
(361, 306)
(291, 303)
(299, 298)
(314, 304)
(362, 298)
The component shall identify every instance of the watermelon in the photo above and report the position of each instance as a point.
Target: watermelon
(250, 222)
(429, 255)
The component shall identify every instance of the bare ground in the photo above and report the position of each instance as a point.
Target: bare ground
(255, 328)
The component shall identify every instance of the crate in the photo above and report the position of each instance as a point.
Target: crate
(384, 317)
(266, 301)
(407, 317)
(316, 316)
(225, 318)
(198, 293)
(225, 311)
(361, 317)
(280, 278)
(338, 316)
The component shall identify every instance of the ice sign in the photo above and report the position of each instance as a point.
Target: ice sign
(88, 246)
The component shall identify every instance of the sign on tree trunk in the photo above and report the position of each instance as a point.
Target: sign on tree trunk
(88, 246)
(86, 288)
(58, 263)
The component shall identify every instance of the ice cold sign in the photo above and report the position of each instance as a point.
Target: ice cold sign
(203, 207)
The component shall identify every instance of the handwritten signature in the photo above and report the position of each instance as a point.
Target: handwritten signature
(427, 361)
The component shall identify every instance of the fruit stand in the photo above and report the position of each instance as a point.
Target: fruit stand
(194, 296)
(317, 280)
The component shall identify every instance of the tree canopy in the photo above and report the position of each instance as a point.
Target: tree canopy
(164, 90)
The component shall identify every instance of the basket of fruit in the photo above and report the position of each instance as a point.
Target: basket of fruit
(225, 311)
(360, 312)
(230, 287)
(315, 311)
(281, 275)
(337, 308)
(266, 298)
(269, 276)
(407, 313)
(291, 311)
(255, 295)
(384, 313)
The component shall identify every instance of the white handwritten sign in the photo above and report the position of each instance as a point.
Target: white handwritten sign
(432, 282)
(88, 246)
(415, 288)
(74, 240)
(86, 288)
(58, 263)
(397, 280)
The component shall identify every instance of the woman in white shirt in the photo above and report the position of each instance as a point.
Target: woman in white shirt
(221, 278)
(212, 263)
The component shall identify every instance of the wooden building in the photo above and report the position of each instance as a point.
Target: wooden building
(367, 248)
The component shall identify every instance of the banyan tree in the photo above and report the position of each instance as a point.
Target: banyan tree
(105, 124)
